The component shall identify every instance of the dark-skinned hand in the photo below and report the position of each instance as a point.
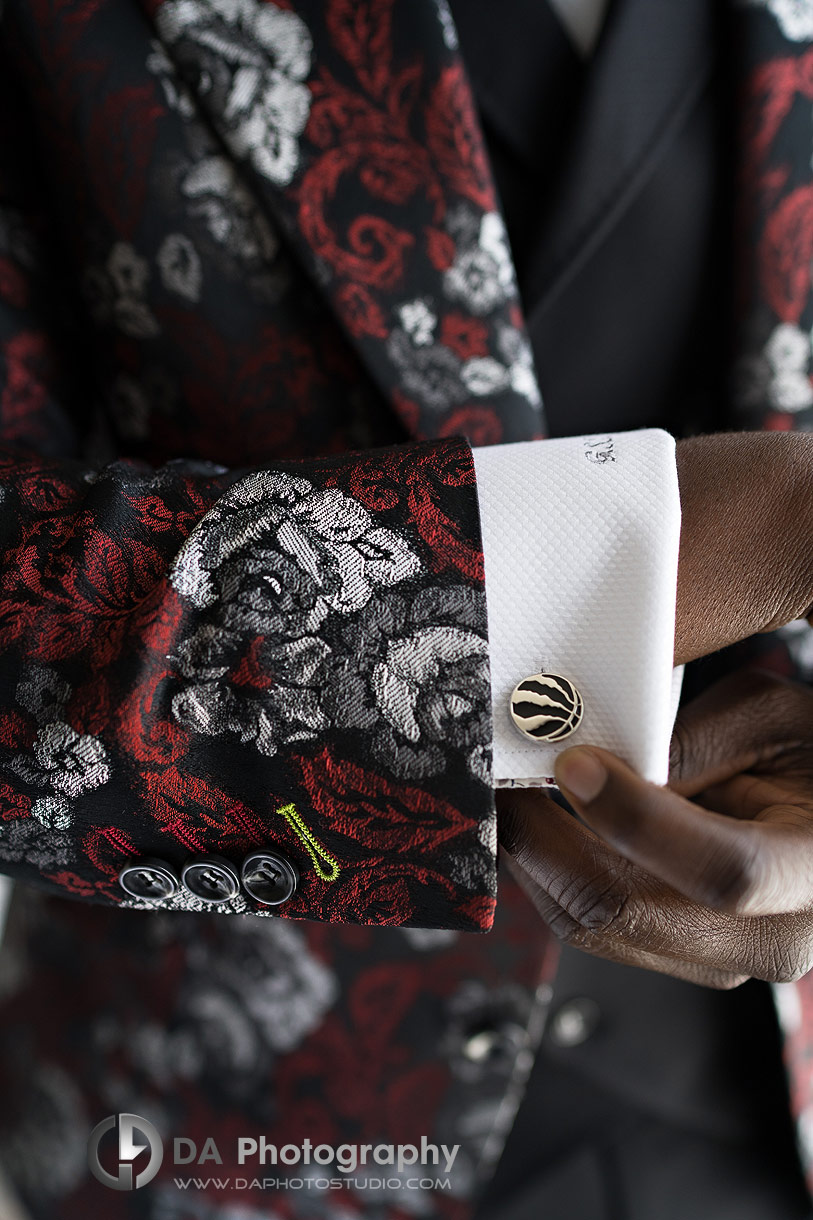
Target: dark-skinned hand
(709, 879)
(746, 540)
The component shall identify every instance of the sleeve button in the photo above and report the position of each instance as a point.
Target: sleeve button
(574, 1022)
(269, 877)
(211, 879)
(149, 879)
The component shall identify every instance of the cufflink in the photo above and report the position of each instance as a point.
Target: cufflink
(546, 707)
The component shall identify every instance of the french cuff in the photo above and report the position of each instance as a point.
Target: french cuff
(580, 543)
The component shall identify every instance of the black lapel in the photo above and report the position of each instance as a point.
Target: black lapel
(652, 61)
(526, 72)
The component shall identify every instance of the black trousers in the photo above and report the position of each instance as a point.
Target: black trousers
(651, 1099)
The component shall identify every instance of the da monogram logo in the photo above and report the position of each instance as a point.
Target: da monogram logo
(130, 1146)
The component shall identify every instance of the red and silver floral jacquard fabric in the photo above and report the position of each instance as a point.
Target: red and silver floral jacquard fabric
(246, 249)
(373, 136)
(292, 635)
(773, 382)
(188, 647)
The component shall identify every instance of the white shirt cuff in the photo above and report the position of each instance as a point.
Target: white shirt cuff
(580, 539)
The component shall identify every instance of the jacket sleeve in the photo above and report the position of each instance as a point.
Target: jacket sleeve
(233, 690)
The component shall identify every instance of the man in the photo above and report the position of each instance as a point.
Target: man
(640, 1085)
(284, 663)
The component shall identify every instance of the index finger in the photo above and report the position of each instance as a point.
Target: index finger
(760, 867)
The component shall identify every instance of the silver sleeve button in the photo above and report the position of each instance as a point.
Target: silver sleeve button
(149, 879)
(269, 877)
(210, 878)
(575, 1022)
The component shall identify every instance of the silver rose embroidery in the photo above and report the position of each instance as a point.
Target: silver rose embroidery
(218, 197)
(74, 763)
(117, 292)
(250, 61)
(273, 560)
(180, 266)
(433, 689)
(795, 17)
(330, 538)
(482, 274)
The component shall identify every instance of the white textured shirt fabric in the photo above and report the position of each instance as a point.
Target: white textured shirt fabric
(580, 541)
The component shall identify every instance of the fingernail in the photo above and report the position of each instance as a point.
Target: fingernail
(580, 772)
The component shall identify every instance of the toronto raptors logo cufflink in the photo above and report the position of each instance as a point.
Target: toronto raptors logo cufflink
(546, 707)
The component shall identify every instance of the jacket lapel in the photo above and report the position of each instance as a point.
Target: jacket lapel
(355, 122)
(651, 62)
(773, 378)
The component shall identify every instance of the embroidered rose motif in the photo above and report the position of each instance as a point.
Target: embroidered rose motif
(484, 375)
(778, 374)
(268, 593)
(433, 689)
(437, 373)
(43, 693)
(482, 274)
(22, 841)
(418, 320)
(116, 293)
(74, 763)
(52, 812)
(788, 348)
(180, 267)
(288, 710)
(258, 995)
(336, 540)
(175, 92)
(218, 197)
(516, 352)
(330, 537)
(251, 60)
(791, 391)
(432, 374)
(795, 17)
(473, 279)
(788, 355)
(271, 564)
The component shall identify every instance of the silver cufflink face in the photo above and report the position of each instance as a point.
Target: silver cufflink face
(546, 707)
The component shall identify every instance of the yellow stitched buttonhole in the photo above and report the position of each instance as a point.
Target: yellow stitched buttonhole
(312, 846)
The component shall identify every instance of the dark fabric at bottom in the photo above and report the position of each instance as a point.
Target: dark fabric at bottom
(648, 1170)
(664, 1112)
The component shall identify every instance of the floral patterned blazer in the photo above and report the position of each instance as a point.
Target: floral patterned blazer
(256, 303)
